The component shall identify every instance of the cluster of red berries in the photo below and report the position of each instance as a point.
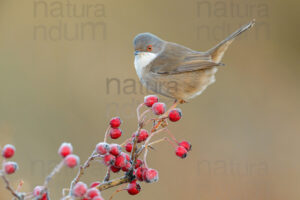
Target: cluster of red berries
(114, 156)
(69, 159)
(81, 191)
(9, 167)
(159, 108)
(183, 148)
(115, 131)
(174, 115)
(66, 152)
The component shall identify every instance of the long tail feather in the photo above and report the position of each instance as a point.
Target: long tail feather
(218, 51)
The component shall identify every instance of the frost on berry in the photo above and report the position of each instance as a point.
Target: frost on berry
(175, 115)
(115, 122)
(115, 149)
(150, 100)
(133, 188)
(181, 152)
(115, 133)
(109, 159)
(186, 145)
(65, 149)
(37, 193)
(8, 151)
(71, 160)
(79, 189)
(92, 192)
(150, 175)
(10, 167)
(159, 108)
(102, 148)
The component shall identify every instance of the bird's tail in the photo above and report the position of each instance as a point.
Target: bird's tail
(218, 51)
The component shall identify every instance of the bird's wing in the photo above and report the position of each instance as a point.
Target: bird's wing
(176, 59)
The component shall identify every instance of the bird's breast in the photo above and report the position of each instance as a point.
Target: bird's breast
(142, 60)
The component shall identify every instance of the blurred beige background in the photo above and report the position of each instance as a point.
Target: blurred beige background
(244, 128)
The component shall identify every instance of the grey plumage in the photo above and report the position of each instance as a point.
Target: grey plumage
(191, 71)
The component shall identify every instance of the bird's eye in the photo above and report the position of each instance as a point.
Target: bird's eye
(149, 47)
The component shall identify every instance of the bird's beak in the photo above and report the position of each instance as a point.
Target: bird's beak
(136, 53)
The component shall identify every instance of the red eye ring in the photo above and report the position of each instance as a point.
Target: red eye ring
(149, 47)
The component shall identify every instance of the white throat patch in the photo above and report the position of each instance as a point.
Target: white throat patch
(142, 60)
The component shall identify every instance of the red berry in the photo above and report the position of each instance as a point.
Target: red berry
(8, 151)
(109, 159)
(139, 173)
(150, 100)
(71, 160)
(115, 133)
(95, 184)
(128, 147)
(120, 161)
(138, 163)
(150, 175)
(126, 156)
(159, 108)
(115, 149)
(142, 136)
(37, 192)
(10, 167)
(79, 189)
(93, 192)
(186, 145)
(65, 149)
(102, 148)
(126, 167)
(114, 169)
(115, 122)
(181, 152)
(133, 188)
(175, 115)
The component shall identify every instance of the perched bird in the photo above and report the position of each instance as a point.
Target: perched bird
(175, 71)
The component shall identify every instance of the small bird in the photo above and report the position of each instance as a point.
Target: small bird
(175, 71)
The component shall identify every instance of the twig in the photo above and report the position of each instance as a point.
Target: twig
(172, 136)
(107, 176)
(106, 133)
(81, 170)
(175, 104)
(117, 191)
(146, 144)
(55, 171)
(125, 142)
(20, 186)
(113, 183)
(8, 187)
(138, 111)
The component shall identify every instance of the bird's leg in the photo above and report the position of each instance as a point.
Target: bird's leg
(181, 101)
